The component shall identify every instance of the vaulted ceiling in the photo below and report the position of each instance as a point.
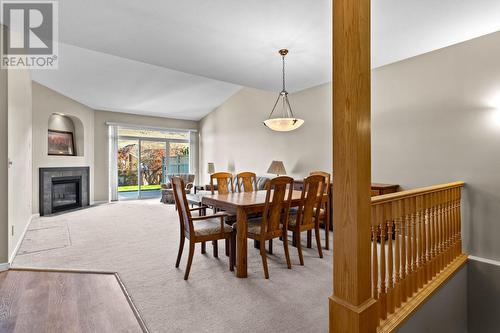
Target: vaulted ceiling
(182, 59)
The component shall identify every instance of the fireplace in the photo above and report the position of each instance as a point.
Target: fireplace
(63, 189)
(66, 193)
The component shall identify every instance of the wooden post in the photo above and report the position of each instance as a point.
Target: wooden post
(352, 309)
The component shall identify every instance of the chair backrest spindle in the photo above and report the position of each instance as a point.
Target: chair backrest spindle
(311, 199)
(246, 182)
(277, 207)
(182, 205)
(224, 182)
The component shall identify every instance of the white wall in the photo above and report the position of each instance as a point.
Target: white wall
(20, 154)
(4, 218)
(234, 138)
(59, 122)
(436, 118)
(101, 183)
(445, 311)
(45, 103)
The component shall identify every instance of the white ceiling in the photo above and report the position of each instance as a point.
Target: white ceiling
(406, 28)
(107, 82)
(142, 45)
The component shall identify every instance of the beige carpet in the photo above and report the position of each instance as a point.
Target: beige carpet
(139, 240)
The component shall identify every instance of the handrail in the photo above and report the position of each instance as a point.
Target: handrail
(416, 245)
(414, 192)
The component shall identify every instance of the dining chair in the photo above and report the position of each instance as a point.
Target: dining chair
(246, 181)
(200, 228)
(224, 186)
(306, 217)
(224, 182)
(274, 220)
(325, 211)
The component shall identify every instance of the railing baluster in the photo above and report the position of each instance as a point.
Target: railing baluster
(383, 296)
(449, 254)
(428, 212)
(421, 241)
(454, 222)
(459, 218)
(435, 236)
(409, 249)
(396, 212)
(403, 254)
(390, 258)
(374, 255)
(414, 249)
(427, 239)
(441, 231)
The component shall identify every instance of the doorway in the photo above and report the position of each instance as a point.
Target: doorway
(145, 158)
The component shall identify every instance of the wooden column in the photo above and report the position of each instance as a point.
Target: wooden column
(352, 309)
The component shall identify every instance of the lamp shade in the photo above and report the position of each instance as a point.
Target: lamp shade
(211, 168)
(277, 168)
(283, 124)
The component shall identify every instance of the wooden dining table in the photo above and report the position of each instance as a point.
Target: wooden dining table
(242, 204)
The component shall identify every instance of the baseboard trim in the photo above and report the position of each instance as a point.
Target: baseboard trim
(4, 266)
(18, 245)
(485, 260)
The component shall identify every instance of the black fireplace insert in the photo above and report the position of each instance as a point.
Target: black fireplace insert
(66, 193)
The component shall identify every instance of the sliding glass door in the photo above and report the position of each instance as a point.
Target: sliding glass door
(128, 169)
(145, 158)
(178, 161)
(153, 155)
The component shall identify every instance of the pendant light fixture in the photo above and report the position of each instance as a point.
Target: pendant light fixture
(287, 121)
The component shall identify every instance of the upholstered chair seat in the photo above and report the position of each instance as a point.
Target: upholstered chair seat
(254, 226)
(293, 211)
(209, 227)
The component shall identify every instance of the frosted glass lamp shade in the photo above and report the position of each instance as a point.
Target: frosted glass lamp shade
(283, 124)
(277, 168)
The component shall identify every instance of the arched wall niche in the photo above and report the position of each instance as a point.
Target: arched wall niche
(69, 123)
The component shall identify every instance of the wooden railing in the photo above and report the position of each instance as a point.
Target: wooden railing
(416, 245)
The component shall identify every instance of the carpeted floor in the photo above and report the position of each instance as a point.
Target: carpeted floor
(139, 240)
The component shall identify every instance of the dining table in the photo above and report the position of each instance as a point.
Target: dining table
(242, 204)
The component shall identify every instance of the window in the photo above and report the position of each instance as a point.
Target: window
(145, 158)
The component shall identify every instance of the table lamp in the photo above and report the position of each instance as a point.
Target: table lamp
(211, 168)
(277, 168)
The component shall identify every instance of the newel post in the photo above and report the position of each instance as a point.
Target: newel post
(352, 309)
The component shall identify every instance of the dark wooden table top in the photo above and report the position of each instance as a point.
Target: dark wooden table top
(242, 199)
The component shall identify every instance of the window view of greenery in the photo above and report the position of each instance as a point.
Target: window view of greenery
(179, 158)
(152, 164)
(157, 159)
(128, 159)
